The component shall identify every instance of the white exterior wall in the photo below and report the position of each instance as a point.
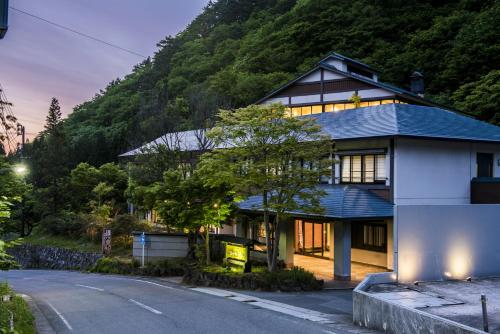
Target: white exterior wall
(306, 99)
(447, 241)
(437, 172)
(282, 100)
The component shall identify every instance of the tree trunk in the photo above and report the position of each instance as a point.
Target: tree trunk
(268, 232)
(207, 244)
(276, 244)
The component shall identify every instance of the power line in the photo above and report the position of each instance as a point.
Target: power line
(78, 32)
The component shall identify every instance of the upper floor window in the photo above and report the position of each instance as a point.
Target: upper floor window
(484, 164)
(368, 168)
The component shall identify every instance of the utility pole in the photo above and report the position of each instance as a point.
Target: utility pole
(21, 131)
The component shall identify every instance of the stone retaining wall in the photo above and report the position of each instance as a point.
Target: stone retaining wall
(45, 257)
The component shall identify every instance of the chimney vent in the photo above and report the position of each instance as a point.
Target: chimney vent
(417, 83)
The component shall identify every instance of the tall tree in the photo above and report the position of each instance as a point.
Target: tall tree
(54, 117)
(281, 159)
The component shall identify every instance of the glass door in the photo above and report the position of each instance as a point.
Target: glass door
(311, 238)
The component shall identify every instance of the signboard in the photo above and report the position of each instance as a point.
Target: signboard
(236, 252)
(237, 255)
(142, 238)
(106, 241)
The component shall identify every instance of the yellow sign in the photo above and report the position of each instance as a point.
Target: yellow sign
(236, 252)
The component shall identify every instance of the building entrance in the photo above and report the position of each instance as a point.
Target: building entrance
(311, 238)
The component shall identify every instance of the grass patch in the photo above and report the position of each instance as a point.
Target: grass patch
(24, 322)
(62, 242)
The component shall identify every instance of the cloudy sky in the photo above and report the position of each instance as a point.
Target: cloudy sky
(39, 61)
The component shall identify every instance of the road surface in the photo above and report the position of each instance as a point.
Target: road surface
(75, 302)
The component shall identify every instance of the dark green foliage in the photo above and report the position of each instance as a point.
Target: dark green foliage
(166, 267)
(295, 279)
(238, 50)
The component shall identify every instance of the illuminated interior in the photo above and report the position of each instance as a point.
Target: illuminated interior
(334, 107)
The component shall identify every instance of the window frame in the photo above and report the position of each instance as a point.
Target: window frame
(357, 236)
(363, 169)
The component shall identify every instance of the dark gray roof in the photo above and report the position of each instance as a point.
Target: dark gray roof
(405, 120)
(388, 120)
(340, 202)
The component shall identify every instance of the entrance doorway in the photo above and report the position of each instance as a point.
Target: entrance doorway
(311, 238)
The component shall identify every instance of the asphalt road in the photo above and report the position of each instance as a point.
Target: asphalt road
(75, 302)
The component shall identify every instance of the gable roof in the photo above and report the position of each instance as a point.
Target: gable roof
(324, 65)
(339, 202)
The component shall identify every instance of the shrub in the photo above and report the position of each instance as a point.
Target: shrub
(108, 265)
(126, 224)
(166, 267)
(295, 279)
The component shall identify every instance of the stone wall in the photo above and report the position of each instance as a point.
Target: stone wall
(45, 257)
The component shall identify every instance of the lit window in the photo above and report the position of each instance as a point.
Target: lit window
(338, 107)
(386, 101)
(374, 103)
(364, 104)
(296, 111)
(317, 109)
(306, 110)
(363, 168)
(288, 112)
(350, 106)
(329, 107)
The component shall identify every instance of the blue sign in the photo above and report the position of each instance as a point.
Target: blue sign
(143, 238)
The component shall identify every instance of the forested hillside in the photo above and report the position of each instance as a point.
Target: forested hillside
(237, 50)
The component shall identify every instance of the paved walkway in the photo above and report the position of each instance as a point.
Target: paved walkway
(323, 268)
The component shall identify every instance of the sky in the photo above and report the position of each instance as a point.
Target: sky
(39, 61)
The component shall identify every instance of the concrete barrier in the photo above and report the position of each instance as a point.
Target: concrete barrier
(160, 246)
(375, 313)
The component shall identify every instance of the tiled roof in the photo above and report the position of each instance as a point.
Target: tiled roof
(405, 120)
(388, 120)
(340, 202)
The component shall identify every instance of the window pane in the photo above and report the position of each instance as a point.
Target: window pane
(306, 110)
(380, 168)
(369, 168)
(346, 169)
(338, 107)
(374, 103)
(296, 111)
(288, 112)
(350, 106)
(317, 109)
(328, 107)
(386, 101)
(356, 168)
(364, 104)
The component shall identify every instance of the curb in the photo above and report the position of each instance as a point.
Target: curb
(41, 323)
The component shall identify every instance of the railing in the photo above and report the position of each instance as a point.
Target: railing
(485, 190)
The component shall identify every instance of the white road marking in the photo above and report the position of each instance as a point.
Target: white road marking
(294, 311)
(150, 309)
(60, 316)
(90, 287)
(153, 283)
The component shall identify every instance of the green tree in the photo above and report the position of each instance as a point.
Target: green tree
(54, 117)
(279, 158)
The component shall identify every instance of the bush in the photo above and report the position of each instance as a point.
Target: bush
(108, 265)
(126, 224)
(166, 267)
(295, 279)
(24, 322)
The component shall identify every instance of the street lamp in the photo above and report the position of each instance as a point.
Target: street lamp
(20, 169)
